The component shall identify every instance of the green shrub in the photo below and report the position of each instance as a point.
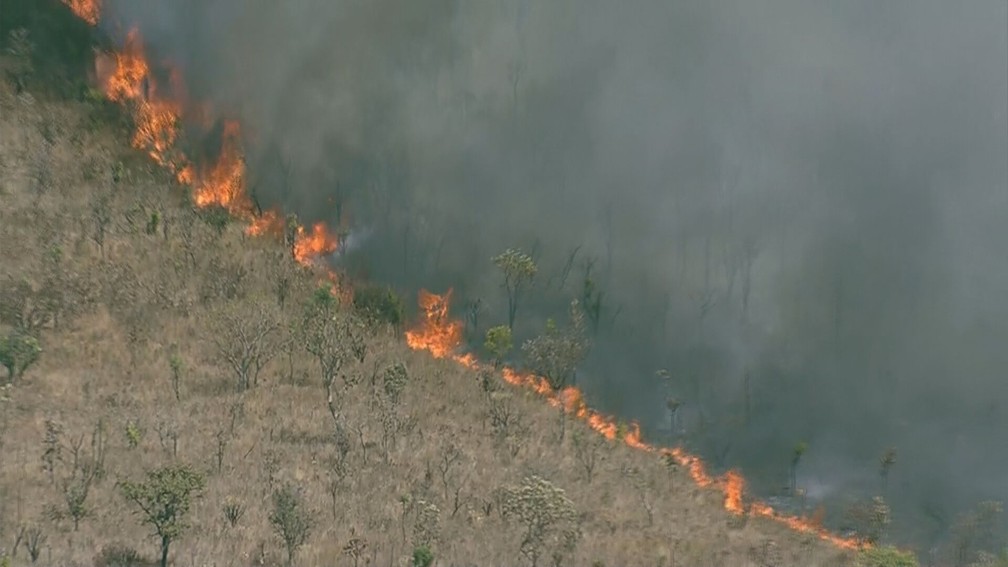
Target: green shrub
(422, 557)
(381, 304)
(118, 555)
(887, 556)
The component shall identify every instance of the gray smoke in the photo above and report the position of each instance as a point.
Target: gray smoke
(812, 195)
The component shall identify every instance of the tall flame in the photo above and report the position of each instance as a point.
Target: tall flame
(441, 336)
(87, 10)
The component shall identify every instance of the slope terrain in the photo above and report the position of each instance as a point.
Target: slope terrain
(152, 320)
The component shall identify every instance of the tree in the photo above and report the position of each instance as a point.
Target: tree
(290, 519)
(498, 343)
(885, 465)
(887, 556)
(519, 270)
(247, 340)
(18, 351)
(164, 499)
(333, 338)
(548, 518)
(555, 354)
(796, 455)
(379, 304)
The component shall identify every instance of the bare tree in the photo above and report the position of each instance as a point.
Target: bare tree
(247, 338)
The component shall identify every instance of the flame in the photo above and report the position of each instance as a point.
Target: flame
(437, 333)
(87, 10)
(441, 336)
(125, 77)
(312, 244)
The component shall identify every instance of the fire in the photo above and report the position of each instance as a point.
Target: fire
(314, 243)
(437, 333)
(441, 335)
(87, 10)
(125, 77)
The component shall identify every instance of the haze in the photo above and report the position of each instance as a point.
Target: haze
(844, 162)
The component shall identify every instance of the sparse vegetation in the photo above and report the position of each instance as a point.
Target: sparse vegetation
(188, 342)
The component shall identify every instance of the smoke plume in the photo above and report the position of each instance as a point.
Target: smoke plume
(796, 208)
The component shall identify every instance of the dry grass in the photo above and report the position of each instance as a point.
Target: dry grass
(149, 295)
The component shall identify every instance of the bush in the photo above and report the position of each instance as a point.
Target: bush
(887, 556)
(380, 304)
(422, 557)
(118, 555)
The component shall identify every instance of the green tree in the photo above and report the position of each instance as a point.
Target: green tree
(796, 456)
(18, 351)
(555, 354)
(290, 519)
(380, 304)
(519, 270)
(164, 499)
(498, 343)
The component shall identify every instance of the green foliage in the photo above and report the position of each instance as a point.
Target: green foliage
(519, 270)
(152, 223)
(133, 434)
(323, 299)
(555, 354)
(164, 499)
(887, 556)
(380, 304)
(216, 217)
(422, 557)
(290, 519)
(395, 380)
(498, 343)
(18, 351)
(118, 555)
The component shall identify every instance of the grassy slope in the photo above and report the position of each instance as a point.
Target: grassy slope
(109, 362)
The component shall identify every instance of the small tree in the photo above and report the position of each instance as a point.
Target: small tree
(333, 338)
(796, 455)
(247, 339)
(519, 270)
(18, 351)
(548, 518)
(498, 343)
(887, 556)
(555, 354)
(164, 499)
(380, 304)
(290, 519)
(885, 465)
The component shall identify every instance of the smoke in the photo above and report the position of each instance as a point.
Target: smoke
(796, 208)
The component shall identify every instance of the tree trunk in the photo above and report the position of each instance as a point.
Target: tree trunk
(165, 542)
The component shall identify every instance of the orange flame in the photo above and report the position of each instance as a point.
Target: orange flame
(87, 10)
(440, 335)
(310, 245)
(125, 77)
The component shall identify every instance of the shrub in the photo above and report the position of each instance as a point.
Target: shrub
(118, 555)
(887, 556)
(422, 557)
(381, 304)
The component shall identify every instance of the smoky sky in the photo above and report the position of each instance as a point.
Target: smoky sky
(795, 207)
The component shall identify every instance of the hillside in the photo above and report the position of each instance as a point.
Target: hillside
(137, 298)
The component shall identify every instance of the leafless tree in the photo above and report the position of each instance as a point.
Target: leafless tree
(247, 338)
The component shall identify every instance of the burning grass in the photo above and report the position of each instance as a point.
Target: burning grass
(126, 77)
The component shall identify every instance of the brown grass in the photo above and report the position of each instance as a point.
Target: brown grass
(152, 293)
